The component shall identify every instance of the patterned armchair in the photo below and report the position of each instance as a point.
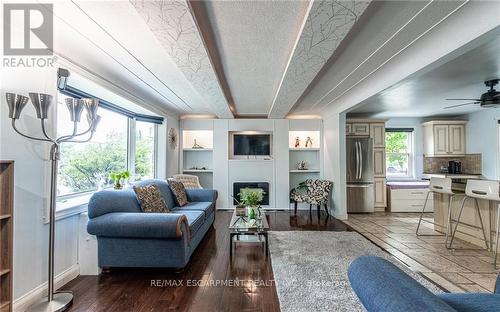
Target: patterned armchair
(317, 193)
(189, 181)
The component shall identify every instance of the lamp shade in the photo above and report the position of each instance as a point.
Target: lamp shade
(16, 104)
(97, 119)
(41, 102)
(75, 108)
(91, 105)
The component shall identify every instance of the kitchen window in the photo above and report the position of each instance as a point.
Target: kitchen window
(399, 153)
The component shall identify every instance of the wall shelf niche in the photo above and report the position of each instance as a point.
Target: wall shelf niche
(309, 154)
(198, 154)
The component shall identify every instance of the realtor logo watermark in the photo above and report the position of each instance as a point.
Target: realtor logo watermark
(28, 34)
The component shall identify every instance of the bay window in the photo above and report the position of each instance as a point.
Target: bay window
(145, 150)
(85, 167)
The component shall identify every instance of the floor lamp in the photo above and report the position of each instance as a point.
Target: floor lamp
(55, 301)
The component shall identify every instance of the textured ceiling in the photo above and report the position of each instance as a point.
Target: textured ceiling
(254, 40)
(173, 25)
(424, 95)
(326, 26)
(178, 58)
(386, 30)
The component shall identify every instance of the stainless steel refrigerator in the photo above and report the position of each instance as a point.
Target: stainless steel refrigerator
(360, 194)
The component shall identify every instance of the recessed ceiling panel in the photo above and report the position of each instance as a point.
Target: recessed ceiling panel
(255, 40)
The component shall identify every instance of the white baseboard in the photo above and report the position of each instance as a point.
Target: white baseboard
(25, 301)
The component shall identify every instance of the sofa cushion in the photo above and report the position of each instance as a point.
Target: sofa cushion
(206, 207)
(164, 189)
(108, 201)
(195, 220)
(150, 198)
(179, 192)
(477, 302)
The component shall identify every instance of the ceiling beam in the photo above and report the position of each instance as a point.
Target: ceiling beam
(173, 24)
(199, 12)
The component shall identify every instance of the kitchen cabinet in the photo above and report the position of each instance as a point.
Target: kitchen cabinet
(379, 162)
(409, 200)
(348, 129)
(360, 129)
(443, 138)
(377, 132)
(457, 139)
(380, 194)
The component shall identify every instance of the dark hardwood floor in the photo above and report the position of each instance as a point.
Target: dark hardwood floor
(210, 282)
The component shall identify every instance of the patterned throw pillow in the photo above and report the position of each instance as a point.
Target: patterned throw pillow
(179, 192)
(150, 198)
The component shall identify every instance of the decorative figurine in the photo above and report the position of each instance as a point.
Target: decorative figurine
(309, 142)
(297, 142)
(196, 145)
(302, 165)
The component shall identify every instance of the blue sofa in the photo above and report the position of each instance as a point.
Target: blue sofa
(381, 286)
(128, 237)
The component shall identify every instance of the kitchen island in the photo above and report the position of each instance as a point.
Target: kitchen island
(469, 228)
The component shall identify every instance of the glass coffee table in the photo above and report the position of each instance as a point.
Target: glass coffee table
(241, 225)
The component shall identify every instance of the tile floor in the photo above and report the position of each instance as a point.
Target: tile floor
(456, 270)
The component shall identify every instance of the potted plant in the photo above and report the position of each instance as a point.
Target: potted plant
(119, 178)
(251, 198)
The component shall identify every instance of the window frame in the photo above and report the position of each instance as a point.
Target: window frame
(132, 133)
(410, 153)
(76, 206)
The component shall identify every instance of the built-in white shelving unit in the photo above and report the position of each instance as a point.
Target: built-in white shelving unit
(198, 161)
(310, 154)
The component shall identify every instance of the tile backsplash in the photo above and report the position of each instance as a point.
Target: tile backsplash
(471, 163)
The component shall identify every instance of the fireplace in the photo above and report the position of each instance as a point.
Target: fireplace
(237, 186)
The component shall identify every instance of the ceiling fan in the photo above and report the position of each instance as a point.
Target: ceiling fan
(489, 99)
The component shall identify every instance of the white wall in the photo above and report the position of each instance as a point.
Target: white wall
(482, 137)
(31, 186)
(168, 155)
(220, 157)
(335, 162)
(418, 140)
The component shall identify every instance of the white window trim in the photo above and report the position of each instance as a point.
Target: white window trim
(131, 145)
(411, 161)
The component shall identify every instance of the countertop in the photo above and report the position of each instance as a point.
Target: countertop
(453, 176)
(407, 184)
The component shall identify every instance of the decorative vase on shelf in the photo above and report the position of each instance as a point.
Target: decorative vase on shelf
(196, 145)
(309, 142)
(302, 165)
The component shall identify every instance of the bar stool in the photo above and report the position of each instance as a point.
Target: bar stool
(479, 189)
(439, 186)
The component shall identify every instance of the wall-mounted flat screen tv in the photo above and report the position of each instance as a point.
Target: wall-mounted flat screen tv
(251, 144)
